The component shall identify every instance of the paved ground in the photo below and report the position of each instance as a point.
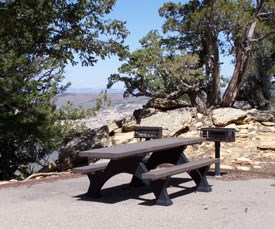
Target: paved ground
(60, 204)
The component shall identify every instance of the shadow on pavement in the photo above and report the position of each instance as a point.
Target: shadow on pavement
(124, 192)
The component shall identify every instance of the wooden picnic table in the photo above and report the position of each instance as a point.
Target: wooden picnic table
(140, 159)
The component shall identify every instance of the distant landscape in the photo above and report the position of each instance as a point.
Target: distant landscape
(87, 100)
(120, 107)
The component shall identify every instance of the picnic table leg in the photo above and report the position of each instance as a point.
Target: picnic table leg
(99, 178)
(199, 177)
(160, 191)
(156, 159)
(136, 179)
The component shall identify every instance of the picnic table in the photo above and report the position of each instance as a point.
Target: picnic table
(140, 159)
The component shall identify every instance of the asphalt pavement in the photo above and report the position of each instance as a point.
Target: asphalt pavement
(62, 204)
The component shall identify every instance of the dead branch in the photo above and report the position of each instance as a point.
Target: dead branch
(41, 174)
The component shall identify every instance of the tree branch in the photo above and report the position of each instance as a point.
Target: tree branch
(264, 14)
(263, 37)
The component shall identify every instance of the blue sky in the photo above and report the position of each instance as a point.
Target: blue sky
(141, 16)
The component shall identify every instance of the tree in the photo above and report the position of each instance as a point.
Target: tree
(211, 27)
(244, 36)
(37, 39)
(258, 85)
(196, 26)
(158, 72)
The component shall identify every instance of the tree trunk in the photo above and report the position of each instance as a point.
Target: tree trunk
(243, 56)
(197, 100)
(212, 61)
(237, 80)
(213, 69)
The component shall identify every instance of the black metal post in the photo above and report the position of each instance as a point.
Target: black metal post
(217, 155)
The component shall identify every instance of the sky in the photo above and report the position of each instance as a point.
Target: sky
(141, 17)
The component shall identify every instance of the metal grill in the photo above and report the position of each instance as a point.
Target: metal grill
(218, 134)
(148, 132)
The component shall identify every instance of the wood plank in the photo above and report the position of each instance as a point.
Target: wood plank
(173, 170)
(90, 168)
(132, 149)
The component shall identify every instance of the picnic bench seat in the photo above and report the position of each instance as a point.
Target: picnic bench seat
(90, 168)
(160, 178)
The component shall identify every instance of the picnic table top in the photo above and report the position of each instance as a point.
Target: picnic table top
(132, 149)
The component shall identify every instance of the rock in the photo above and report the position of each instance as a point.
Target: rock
(89, 139)
(193, 133)
(243, 168)
(243, 161)
(268, 123)
(257, 167)
(266, 146)
(167, 104)
(123, 138)
(130, 126)
(261, 116)
(232, 125)
(198, 125)
(224, 116)
(143, 113)
(242, 105)
(228, 167)
(254, 143)
(200, 115)
(266, 142)
(242, 133)
(172, 121)
(112, 127)
(269, 155)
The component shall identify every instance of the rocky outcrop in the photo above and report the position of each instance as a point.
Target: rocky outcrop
(254, 147)
(255, 136)
(89, 139)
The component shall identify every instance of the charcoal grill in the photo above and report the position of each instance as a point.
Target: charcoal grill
(148, 132)
(218, 135)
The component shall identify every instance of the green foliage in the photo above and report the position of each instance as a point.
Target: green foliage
(258, 86)
(61, 29)
(28, 128)
(159, 72)
(37, 39)
(209, 28)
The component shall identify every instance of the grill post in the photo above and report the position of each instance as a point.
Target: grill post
(217, 155)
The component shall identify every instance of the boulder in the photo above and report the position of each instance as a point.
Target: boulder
(224, 116)
(261, 115)
(123, 138)
(89, 139)
(172, 121)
